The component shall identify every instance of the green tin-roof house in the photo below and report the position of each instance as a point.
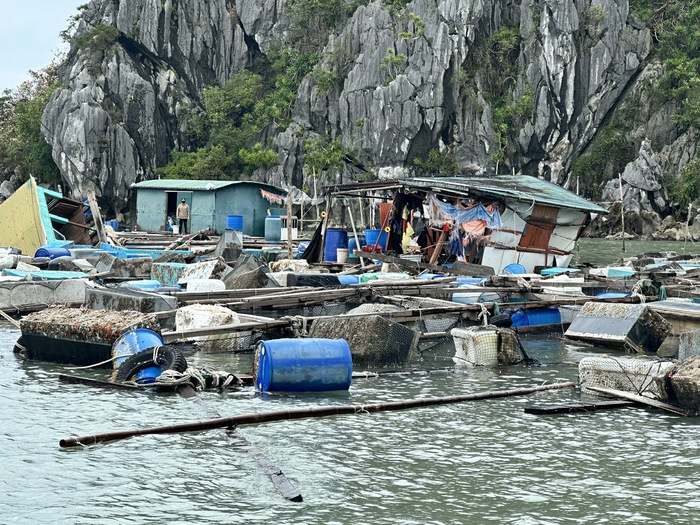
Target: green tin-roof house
(210, 201)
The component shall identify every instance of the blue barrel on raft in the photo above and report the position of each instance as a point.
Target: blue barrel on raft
(335, 239)
(113, 224)
(353, 245)
(52, 253)
(302, 365)
(536, 316)
(234, 222)
(376, 237)
(133, 342)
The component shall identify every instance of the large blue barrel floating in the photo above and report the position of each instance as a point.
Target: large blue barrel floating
(536, 316)
(273, 228)
(334, 239)
(133, 342)
(234, 222)
(373, 237)
(52, 253)
(303, 365)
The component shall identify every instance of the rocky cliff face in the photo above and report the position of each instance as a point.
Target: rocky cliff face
(119, 113)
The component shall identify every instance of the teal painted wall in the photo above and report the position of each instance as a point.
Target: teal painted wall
(245, 200)
(208, 209)
(151, 206)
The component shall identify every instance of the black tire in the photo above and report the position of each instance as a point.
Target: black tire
(501, 320)
(19, 346)
(166, 358)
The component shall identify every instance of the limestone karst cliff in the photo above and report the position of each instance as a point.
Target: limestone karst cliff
(120, 112)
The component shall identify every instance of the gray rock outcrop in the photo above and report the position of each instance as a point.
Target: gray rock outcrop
(410, 80)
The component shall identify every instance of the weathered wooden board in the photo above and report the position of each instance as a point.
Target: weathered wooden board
(577, 407)
(641, 400)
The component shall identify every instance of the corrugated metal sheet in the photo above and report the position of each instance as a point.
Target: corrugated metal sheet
(508, 187)
(198, 185)
(20, 220)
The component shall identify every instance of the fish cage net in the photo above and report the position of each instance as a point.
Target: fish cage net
(486, 345)
(639, 375)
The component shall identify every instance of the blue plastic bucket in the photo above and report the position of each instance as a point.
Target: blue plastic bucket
(133, 342)
(234, 222)
(536, 316)
(373, 237)
(303, 365)
(334, 239)
(113, 224)
(52, 253)
(514, 269)
(273, 229)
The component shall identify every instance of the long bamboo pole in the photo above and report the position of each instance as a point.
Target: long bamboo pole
(303, 413)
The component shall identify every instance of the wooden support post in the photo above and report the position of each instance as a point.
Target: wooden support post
(438, 247)
(357, 240)
(97, 217)
(289, 222)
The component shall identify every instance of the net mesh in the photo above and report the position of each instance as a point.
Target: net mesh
(630, 374)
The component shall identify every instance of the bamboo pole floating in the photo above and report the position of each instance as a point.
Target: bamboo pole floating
(303, 413)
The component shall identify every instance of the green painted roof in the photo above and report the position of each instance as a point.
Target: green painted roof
(199, 185)
(508, 187)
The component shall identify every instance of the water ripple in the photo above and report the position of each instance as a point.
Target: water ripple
(476, 462)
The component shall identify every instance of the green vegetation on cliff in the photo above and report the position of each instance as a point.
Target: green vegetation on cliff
(23, 149)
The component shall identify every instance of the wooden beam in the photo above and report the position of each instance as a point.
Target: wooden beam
(577, 407)
(642, 400)
(97, 218)
(279, 480)
(463, 269)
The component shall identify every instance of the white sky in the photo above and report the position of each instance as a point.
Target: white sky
(29, 36)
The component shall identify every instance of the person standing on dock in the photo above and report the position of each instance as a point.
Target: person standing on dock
(183, 216)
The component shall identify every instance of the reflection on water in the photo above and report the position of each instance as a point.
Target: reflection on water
(476, 462)
(605, 251)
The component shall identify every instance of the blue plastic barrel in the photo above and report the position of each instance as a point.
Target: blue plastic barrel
(133, 342)
(303, 365)
(373, 237)
(536, 316)
(234, 222)
(273, 228)
(52, 253)
(349, 279)
(353, 245)
(113, 224)
(335, 239)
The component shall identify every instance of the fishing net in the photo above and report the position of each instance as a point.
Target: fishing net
(630, 374)
(84, 324)
(375, 342)
(486, 346)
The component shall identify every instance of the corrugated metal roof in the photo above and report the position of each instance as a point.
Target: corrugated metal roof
(199, 185)
(508, 187)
